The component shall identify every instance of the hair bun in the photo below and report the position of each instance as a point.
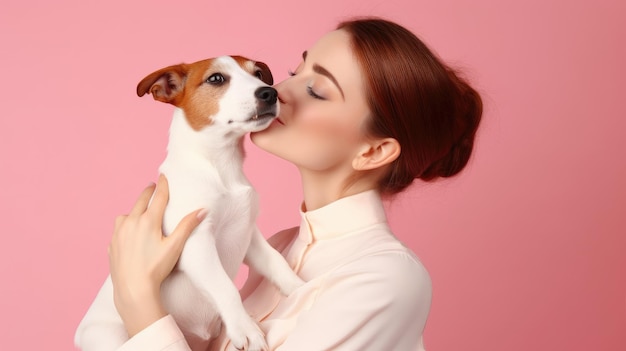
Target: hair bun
(468, 108)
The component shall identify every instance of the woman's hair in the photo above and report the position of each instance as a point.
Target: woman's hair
(417, 100)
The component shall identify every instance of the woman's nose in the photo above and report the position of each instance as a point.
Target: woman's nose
(281, 89)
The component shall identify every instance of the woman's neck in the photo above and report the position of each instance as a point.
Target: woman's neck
(322, 188)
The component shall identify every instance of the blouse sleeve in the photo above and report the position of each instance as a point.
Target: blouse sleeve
(162, 335)
(376, 304)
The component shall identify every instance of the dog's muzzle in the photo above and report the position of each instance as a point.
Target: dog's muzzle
(266, 103)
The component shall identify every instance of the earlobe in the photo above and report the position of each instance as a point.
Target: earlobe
(376, 154)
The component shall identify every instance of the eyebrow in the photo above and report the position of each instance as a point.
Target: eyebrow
(323, 71)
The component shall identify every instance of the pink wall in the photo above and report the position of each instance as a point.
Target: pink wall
(526, 249)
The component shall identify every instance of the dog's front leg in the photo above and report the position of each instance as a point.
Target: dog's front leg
(201, 262)
(271, 264)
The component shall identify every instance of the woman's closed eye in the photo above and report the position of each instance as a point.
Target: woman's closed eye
(310, 91)
(309, 88)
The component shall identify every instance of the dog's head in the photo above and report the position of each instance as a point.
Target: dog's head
(229, 91)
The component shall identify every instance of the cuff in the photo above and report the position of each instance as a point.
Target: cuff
(161, 335)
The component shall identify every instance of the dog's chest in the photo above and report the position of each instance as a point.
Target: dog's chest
(229, 223)
(225, 191)
(226, 206)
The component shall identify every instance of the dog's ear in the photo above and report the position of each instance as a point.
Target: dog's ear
(264, 73)
(166, 84)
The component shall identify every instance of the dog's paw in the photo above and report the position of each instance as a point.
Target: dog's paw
(247, 336)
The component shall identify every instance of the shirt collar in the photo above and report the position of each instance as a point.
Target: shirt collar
(342, 216)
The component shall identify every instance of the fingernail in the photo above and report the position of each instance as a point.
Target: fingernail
(202, 214)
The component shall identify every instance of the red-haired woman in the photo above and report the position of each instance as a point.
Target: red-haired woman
(369, 109)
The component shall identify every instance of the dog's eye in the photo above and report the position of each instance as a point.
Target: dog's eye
(259, 74)
(216, 79)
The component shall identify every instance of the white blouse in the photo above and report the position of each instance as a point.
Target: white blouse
(364, 289)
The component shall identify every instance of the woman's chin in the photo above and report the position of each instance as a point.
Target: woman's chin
(260, 138)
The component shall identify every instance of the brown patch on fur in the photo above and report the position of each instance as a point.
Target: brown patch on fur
(201, 100)
(184, 86)
(256, 67)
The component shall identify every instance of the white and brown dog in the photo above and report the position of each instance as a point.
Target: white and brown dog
(218, 101)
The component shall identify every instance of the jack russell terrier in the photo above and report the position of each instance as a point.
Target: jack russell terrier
(217, 102)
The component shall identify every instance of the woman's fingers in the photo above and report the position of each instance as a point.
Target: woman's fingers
(185, 227)
(142, 202)
(160, 199)
(119, 220)
(141, 258)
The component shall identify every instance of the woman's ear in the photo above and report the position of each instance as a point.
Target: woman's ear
(376, 153)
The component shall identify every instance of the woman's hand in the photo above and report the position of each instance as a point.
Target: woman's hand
(141, 257)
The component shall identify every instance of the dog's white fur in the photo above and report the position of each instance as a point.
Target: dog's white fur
(204, 170)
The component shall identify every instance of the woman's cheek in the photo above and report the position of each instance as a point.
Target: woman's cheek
(329, 123)
(322, 148)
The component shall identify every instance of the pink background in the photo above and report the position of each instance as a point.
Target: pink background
(526, 249)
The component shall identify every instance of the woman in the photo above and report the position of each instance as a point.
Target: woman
(368, 110)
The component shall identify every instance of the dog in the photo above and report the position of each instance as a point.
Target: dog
(217, 102)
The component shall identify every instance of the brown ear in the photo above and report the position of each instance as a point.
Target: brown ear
(266, 74)
(166, 84)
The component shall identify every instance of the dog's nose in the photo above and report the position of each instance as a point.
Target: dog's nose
(267, 95)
